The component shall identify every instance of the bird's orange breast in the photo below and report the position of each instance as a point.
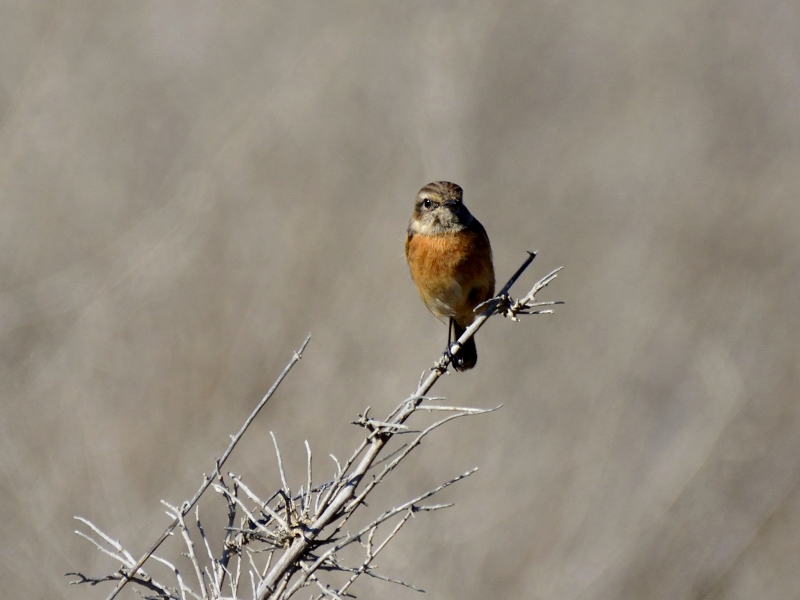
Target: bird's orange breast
(453, 272)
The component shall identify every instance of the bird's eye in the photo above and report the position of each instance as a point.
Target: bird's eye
(426, 203)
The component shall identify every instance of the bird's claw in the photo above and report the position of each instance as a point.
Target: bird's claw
(456, 360)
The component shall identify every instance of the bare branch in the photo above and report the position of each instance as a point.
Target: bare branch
(389, 467)
(371, 554)
(280, 465)
(252, 518)
(350, 538)
(302, 534)
(207, 480)
(198, 571)
(307, 498)
(128, 559)
(461, 409)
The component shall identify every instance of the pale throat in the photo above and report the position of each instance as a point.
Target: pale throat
(432, 224)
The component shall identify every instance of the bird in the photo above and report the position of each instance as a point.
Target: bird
(450, 259)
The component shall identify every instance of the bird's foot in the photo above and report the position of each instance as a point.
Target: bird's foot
(456, 359)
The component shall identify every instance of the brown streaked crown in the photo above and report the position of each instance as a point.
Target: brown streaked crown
(440, 192)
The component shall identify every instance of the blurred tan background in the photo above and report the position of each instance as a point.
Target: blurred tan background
(188, 188)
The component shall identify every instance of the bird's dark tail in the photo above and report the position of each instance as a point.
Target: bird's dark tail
(468, 354)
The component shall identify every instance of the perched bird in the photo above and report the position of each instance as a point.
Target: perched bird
(450, 258)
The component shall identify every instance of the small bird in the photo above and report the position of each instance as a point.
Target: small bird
(450, 258)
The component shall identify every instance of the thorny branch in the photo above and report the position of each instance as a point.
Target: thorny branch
(290, 540)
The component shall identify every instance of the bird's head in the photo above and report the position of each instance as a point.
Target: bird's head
(439, 209)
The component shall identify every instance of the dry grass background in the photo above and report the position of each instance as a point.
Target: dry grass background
(188, 188)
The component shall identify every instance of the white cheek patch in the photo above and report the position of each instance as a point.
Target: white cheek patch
(428, 227)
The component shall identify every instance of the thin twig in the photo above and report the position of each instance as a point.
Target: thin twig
(307, 499)
(416, 442)
(207, 480)
(187, 539)
(280, 465)
(353, 537)
(251, 517)
(227, 544)
(371, 554)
